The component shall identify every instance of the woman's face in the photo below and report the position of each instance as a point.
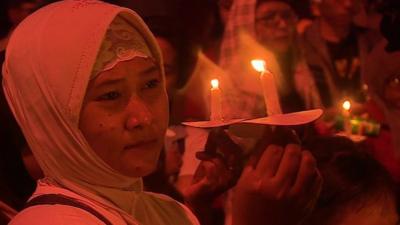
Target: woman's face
(124, 116)
(275, 25)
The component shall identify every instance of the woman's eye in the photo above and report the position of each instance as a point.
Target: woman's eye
(152, 84)
(112, 95)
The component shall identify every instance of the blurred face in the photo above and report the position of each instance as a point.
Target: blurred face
(392, 92)
(340, 12)
(18, 14)
(124, 116)
(275, 26)
(170, 64)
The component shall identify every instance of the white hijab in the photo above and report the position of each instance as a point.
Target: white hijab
(49, 62)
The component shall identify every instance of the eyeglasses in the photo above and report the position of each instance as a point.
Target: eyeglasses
(272, 18)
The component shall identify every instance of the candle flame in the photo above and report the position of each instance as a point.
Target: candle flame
(346, 105)
(214, 83)
(258, 65)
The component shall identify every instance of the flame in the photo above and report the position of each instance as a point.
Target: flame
(259, 65)
(346, 105)
(214, 83)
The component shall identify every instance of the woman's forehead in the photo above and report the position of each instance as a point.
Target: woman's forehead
(136, 67)
(122, 42)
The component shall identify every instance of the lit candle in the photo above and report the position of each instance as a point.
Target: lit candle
(346, 116)
(270, 93)
(216, 107)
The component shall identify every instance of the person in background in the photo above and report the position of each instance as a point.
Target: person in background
(335, 51)
(382, 78)
(16, 11)
(384, 89)
(369, 18)
(224, 7)
(356, 188)
(267, 30)
(275, 29)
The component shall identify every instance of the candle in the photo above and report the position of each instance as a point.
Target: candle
(216, 107)
(346, 116)
(270, 93)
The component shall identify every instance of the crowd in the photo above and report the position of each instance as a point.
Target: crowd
(94, 95)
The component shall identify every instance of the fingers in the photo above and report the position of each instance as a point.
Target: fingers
(310, 194)
(226, 143)
(289, 166)
(307, 174)
(211, 144)
(269, 161)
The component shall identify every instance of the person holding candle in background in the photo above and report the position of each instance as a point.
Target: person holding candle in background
(335, 50)
(265, 30)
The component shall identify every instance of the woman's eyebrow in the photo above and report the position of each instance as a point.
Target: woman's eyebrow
(150, 70)
(108, 82)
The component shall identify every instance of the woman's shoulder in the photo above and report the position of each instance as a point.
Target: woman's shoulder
(51, 204)
(172, 208)
(54, 214)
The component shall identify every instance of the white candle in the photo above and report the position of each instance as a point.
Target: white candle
(270, 92)
(346, 116)
(216, 107)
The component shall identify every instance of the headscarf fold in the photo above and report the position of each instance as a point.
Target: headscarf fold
(50, 59)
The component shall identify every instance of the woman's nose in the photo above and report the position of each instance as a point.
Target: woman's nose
(139, 114)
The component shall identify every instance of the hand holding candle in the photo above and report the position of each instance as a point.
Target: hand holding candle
(270, 93)
(216, 107)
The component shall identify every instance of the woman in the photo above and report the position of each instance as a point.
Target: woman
(266, 29)
(73, 100)
(86, 84)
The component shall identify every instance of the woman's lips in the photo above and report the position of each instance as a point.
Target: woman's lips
(142, 144)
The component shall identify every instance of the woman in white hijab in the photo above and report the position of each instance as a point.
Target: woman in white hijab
(93, 129)
(85, 82)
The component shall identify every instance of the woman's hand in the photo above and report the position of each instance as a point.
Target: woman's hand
(218, 171)
(280, 189)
